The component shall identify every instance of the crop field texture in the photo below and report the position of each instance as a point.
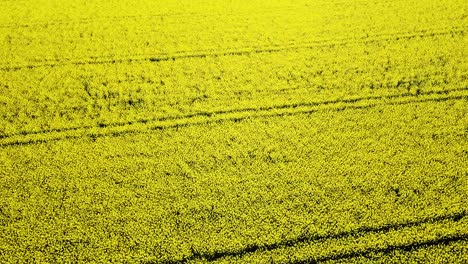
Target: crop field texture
(260, 131)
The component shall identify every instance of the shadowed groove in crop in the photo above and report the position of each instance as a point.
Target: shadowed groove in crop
(267, 113)
(246, 50)
(232, 111)
(359, 232)
(444, 240)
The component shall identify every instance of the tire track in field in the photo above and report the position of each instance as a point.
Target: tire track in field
(359, 232)
(233, 115)
(201, 54)
(231, 111)
(444, 240)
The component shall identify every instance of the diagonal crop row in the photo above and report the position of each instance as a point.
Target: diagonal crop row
(233, 115)
(359, 232)
(443, 240)
(233, 111)
(396, 36)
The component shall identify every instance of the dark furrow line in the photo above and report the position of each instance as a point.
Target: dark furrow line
(220, 121)
(86, 20)
(244, 51)
(306, 238)
(248, 50)
(232, 111)
(444, 240)
(37, 141)
(352, 107)
(89, 20)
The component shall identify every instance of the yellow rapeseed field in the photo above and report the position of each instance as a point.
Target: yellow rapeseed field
(260, 131)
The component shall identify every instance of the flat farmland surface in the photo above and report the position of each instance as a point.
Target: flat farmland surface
(233, 131)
